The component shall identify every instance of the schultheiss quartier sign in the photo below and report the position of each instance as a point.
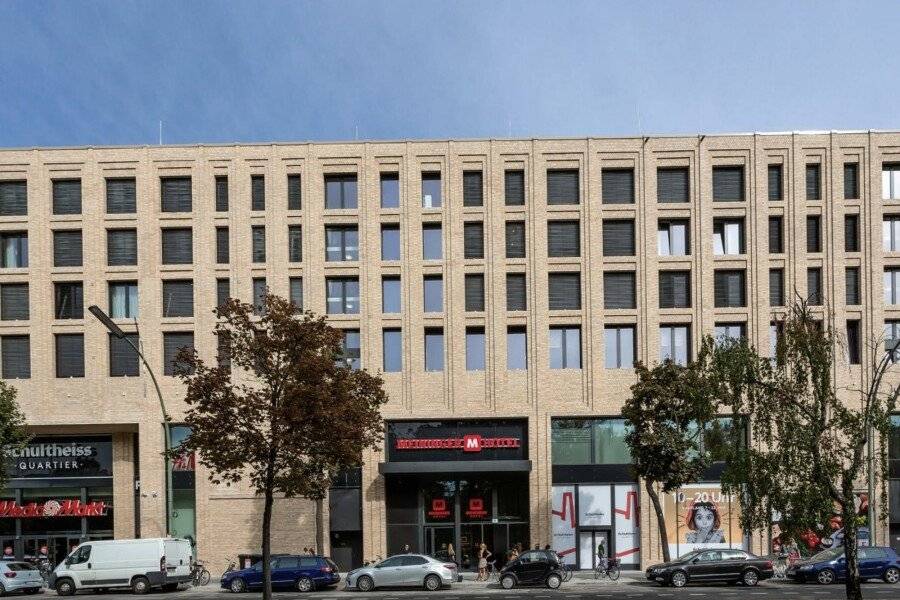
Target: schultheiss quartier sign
(466, 443)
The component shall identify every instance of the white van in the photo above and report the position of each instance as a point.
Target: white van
(137, 564)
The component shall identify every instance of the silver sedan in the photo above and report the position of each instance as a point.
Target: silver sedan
(403, 570)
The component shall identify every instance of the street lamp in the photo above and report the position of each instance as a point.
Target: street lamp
(117, 332)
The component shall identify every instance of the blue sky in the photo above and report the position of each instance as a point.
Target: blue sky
(75, 73)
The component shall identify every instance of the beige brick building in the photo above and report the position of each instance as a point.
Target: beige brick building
(504, 286)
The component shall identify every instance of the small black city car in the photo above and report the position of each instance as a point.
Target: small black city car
(534, 567)
(712, 566)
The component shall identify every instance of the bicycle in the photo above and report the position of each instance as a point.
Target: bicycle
(611, 570)
(780, 566)
(45, 567)
(200, 574)
(568, 572)
(493, 574)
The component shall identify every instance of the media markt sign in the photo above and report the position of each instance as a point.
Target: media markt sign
(61, 457)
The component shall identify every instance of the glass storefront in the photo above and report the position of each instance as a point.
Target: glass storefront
(183, 522)
(894, 482)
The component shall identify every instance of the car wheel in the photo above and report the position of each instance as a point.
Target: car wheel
(237, 585)
(365, 584)
(304, 584)
(432, 583)
(892, 575)
(140, 585)
(508, 582)
(750, 577)
(2, 590)
(825, 576)
(553, 581)
(65, 587)
(679, 579)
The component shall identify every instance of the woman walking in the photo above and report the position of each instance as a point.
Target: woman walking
(483, 555)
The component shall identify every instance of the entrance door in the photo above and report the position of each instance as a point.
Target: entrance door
(437, 539)
(588, 540)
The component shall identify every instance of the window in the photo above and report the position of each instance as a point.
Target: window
(813, 182)
(258, 237)
(673, 185)
(14, 246)
(121, 247)
(15, 354)
(851, 180)
(257, 192)
(390, 295)
(890, 181)
(123, 360)
(177, 246)
(67, 248)
(564, 291)
(617, 186)
(776, 287)
(432, 242)
(891, 233)
(295, 243)
(563, 238)
(674, 289)
(221, 193)
(851, 233)
(340, 191)
(473, 188)
(729, 331)
(674, 343)
(516, 348)
(433, 286)
(431, 190)
(562, 186)
(13, 198)
(589, 442)
(474, 292)
(892, 286)
(392, 350)
(121, 196)
(342, 243)
(294, 192)
(351, 346)
(123, 299)
(14, 300)
(730, 289)
(66, 196)
(814, 286)
(69, 300)
(173, 342)
(390, 190)
(728, 184)
(178, 298)
(474, 348)
(515, 239)
(776, 235)
(434, 349)
(619, 289)
(618, 237)
(390, 242)
(343, 295)
(473, 240)
(222, 246)
(854, 342)
(776, 183)
(223, 291)
(69, 355)
(295, 290)
(618, 343)
(852, 287)
(672, 238)
(565, 347)
(892, 336)
(814, 233)
(515, 292)
(514, 187)
(176, 194)
(728, 237)
(223, 350)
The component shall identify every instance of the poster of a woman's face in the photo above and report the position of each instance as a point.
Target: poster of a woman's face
(701, 516)
(703, 524)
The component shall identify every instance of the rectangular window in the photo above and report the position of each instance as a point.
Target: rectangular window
(891, 233)
(854, 342)
(892, 286)
(618, 237)
(13, 198)
(258, 238)
(672, 238)
(221, 193)
(121, 196)
(814, 286)
(515, 239)
(342, 295)
(223, 350)
(123, 299)
(176, 194)
(851, 233)
(178, 298)
(675, 343)
(515, 292)
(814, 233)
(851, 286)
(222, 246)
(67, 248)
(673, 185)
(730, 289)
(674, 289)
(565, 347)
(14, 246)
(66, 196)
(294, 192)
(257, 192)
(562, 186)
(68, 299)
(431, 190)
(173, 342)
(776, 235)
(295, 243)
(433, 288)
(619, 290)
(813, 182)
(474, 292)
(516, 348)
(392, 350)
(474, 348)
(776, 183)
(728, 237)
(295, 289)
(390, 295)
(15, 355)
(563, 238)
(618, 343)
(514, 187)
(851, 180)
(340, 191)
(564, 291)
(617, 186)
(390, 242)
(177, 246)
(432, 242)
(890, 181)
(776, 287)
(473, 186)
(123, 360)
(728, 184)
(723, 332)
(434, 349)
(121, 247)
(342, 243)
(390, 190)
(352, 350)
(473, 240)
(589, 442)
(223, 291)
(69, 355)
(892, 336)
(14, 301)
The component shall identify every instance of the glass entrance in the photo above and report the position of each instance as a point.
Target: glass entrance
(438, 540)
(588, 541)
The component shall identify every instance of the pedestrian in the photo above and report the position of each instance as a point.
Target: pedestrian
(451, 553)
(547, 547)
(312, 551)
(537, 546)
(483, 555)
(513, 553)
(406, 549)
(305, 550)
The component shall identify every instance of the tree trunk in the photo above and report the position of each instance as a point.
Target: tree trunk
(851, 552)
(320, 525)
(660, 519)
(267, 532)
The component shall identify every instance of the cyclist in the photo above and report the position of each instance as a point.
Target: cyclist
(601, 557)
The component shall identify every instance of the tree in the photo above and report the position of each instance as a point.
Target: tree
(13, 435)
(668, 412)
(297, 417)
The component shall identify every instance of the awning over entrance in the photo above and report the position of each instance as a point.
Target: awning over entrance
(455, 466)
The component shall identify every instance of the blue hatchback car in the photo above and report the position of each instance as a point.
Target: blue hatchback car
(300, 573)
(826, 567)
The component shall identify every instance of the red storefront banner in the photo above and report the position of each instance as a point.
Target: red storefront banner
(9, 509)
(467, 443)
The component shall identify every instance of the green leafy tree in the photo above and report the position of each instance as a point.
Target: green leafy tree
(13, 435)
(293, 414)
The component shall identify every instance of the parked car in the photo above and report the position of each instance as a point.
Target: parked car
(415, 570)
(301, 573)
(703, 566)
(830, 566)
(535, 567)
(18, 576)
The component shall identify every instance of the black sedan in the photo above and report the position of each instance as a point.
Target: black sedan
(712, 566)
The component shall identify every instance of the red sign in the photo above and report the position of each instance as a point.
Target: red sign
(476, 509)
(183, 462)
(467, 443)
(52, 508)
(439, 509)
